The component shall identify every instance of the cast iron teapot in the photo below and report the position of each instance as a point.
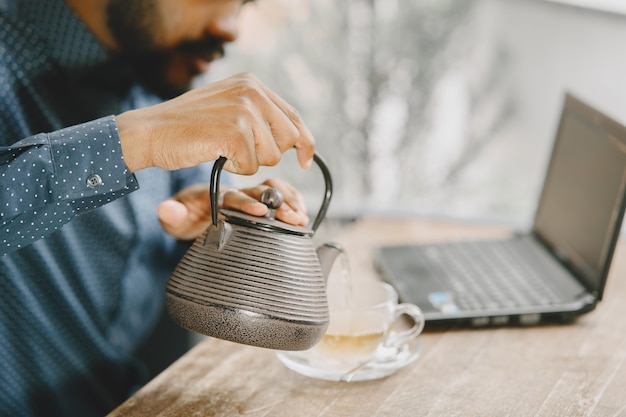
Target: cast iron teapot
(255, 280)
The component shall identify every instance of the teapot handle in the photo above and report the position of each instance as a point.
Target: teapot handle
(328, 184)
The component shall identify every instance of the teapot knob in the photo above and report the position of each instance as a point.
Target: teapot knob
(272, 198)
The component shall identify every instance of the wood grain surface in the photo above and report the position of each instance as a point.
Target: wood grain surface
(570, 370)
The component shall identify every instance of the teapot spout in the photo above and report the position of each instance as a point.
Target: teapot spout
(327, 253)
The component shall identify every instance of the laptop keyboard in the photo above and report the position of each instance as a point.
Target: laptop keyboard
(483, 275)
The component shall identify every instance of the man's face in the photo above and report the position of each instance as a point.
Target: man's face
(170, 42)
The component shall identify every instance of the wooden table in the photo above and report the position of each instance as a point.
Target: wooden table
(566, 370)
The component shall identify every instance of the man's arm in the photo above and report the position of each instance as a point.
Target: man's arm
(48, 179)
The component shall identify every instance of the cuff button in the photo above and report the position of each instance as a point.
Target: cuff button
(94, 180)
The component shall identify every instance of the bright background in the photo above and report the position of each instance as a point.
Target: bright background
(432, 107)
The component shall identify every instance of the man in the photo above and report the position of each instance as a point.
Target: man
(99, 193)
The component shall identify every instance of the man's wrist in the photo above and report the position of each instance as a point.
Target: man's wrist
(128, 134)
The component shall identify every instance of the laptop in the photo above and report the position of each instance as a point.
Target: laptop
(554, 272)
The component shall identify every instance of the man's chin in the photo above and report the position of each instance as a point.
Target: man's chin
(180, 80)
(166, 87)
(165, 91)
(168, 79)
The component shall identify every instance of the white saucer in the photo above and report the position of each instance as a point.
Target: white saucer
(388, 361)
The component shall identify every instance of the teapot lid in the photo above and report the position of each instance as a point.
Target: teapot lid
(264, 223)
(272, 199)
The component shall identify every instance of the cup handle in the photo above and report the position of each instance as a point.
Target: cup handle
(396, 340)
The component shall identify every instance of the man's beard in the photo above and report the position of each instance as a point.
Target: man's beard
(135, 25)
(170, 73)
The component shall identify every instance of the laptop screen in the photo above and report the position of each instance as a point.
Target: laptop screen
(586, 180)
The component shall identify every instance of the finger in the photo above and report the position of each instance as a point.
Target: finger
(239, 146)
(240, 201)
(187, 214)
(262, 131)
(304, 142)
(301, 138)
(172, 213)
(173, 216)
(288, 215)
(270, 129)
(291, 195)
(292, 210)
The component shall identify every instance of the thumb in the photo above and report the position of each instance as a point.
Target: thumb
(172, 214)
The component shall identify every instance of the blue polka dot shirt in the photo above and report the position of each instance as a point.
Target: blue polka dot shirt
(84, 260)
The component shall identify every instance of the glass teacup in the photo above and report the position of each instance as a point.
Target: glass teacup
(363, 340)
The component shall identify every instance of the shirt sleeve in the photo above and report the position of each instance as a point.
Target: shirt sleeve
(49, 178)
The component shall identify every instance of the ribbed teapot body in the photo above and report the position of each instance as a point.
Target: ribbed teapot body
(259, 288)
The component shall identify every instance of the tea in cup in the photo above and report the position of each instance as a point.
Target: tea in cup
(362, 340)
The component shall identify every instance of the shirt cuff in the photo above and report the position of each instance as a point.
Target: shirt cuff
(88, 160)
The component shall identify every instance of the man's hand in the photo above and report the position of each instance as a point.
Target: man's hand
(238, 118)
(187, 214)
